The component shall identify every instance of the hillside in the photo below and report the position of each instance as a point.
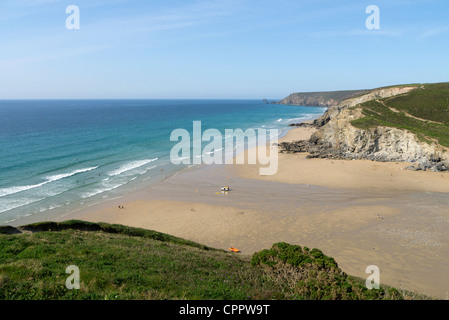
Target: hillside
(398, 123)
(423, 111)
(118, 262)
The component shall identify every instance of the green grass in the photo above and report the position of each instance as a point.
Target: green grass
(118, 262)
(429, 103)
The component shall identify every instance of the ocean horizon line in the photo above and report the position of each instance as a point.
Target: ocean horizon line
(142, 99)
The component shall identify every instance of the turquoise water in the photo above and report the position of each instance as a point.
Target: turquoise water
(60, 155)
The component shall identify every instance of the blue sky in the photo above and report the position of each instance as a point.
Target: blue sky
(217, 48)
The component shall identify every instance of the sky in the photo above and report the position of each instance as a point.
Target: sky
(217, 49)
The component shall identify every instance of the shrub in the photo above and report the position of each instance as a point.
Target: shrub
(310, 274)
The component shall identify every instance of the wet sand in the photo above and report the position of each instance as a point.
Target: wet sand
(359, 212)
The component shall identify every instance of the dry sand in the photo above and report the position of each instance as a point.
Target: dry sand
(331, 205)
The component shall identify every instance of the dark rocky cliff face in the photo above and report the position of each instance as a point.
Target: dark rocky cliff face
(320, 99)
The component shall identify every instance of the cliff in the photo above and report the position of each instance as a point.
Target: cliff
(320, 99)
(404, 123)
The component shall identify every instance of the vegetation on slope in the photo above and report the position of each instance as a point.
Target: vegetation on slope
(310, 274)
(423, 111)
(118, 262)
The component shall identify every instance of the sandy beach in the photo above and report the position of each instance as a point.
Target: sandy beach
(359, 212)
(365, 174)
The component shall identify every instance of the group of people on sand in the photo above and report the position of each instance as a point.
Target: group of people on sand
(121, 207)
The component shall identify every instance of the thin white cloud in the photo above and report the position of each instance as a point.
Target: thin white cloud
(356, 32)
(10, 10)
(130, 28)
(433, 32)
(48, 56)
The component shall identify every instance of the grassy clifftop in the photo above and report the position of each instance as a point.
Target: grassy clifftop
(423, 111)
(118, 262)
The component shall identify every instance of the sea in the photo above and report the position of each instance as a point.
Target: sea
(65, 154)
